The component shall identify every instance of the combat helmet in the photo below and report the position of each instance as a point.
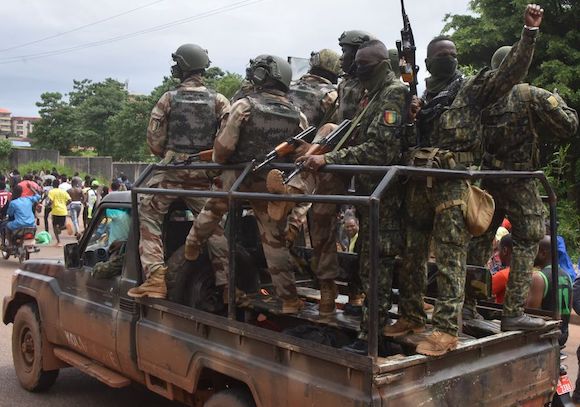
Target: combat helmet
(265, 67)
(325, 59)
(188, 58)
(499, 56)
(355, 38)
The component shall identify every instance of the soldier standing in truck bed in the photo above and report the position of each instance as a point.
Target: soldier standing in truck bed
(183, 122)
(449, 126)
(511, 140)
(257, 121)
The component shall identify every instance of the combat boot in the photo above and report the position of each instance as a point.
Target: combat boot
(328, 294)
(437, 344)
(153, 287)
(278, 210)
(523, 322)
(191, 251)
(403, 327)
(292, 306)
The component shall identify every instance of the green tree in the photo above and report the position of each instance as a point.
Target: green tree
(128, 129)
(226, 83)
(5, 150)
(56, 128)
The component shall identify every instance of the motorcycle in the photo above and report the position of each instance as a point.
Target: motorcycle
(562, 396)
(21, 244)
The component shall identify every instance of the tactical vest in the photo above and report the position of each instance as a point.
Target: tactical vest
(193, 121)
(271, 121)
(458, 128)
(307, 96)
(509, 138)
(350, 92)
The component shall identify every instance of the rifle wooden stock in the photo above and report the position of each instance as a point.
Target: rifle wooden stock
(287, 147)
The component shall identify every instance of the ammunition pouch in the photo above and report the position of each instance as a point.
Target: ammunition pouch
(490, 161)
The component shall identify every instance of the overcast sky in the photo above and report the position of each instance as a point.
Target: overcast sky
(232, 30)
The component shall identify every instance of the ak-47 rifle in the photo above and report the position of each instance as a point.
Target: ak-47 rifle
(406, 49)
(324, 146)
(288, 146)
(205, 155)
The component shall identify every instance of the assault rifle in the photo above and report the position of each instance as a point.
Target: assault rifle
(406, 49)
(205, 155)
(288, 146)
(333, 139)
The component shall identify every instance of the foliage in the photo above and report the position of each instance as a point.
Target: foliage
(102, 118)
(5, 150)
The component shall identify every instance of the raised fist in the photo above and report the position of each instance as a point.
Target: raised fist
(533, 15)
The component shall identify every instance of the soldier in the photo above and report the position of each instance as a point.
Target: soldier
(315, 93)
(511, 129)
(183, 122)
(376, 142)
(256, 122)
(448, 124)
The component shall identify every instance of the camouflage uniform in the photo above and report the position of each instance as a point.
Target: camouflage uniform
(434, 207)
(350, 93)
(183, 122)
(377, 142)
(511, 142)
(255, 124)
(315, 96)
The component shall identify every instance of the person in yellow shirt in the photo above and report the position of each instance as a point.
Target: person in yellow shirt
(59, 199)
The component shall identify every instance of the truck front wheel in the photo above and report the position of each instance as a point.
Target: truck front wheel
(235, 397)
(27, 351)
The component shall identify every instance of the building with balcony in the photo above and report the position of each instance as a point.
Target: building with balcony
(5, 122)
(22, 126)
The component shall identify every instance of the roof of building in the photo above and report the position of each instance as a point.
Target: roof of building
(29, 118)
(3, 110)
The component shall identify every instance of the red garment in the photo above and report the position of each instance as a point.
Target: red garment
(507, 224)
(498, 284)
(5, 197)
(29, 188)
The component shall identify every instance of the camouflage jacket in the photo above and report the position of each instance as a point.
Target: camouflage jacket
(458, 127)
(157, 130)
(350, 93)
(511, 127)
(226, 142)
(378, 139)
(315, 96)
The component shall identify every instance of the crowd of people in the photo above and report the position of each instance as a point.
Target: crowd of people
(69, 202)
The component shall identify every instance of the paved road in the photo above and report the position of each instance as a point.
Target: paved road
(72, 388)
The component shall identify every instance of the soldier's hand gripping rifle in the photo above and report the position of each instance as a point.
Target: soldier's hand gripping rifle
(406, 49)
(205, 155)
(288, 146)
(335, 138)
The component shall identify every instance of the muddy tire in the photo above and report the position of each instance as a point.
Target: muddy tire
(236, 397)
(27, 351)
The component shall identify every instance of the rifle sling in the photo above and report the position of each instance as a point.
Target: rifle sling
(353, 125)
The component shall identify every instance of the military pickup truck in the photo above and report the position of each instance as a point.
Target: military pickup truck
(193, 349)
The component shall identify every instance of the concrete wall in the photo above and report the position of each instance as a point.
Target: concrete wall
(95, 166)
(131, 170)
(21, 156)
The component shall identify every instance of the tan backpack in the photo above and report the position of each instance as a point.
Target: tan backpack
(478, 210)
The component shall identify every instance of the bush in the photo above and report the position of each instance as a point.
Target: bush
(5, 149)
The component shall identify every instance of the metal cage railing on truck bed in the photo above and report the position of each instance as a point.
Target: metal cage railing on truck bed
(389, 175)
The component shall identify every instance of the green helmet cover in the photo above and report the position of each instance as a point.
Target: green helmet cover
(326, 59)
(355, 38)
(265, 67)
(394, 60)
(191, 57)
(499, 56)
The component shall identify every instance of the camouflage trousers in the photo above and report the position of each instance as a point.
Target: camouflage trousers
(520, 201)
(152, 211)
(427, 219)
(390, 241)
(323, 221)
(272, 233)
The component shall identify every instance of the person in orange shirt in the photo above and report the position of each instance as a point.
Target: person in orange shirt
(499, 280)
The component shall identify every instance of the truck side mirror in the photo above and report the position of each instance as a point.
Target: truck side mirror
(72, 257)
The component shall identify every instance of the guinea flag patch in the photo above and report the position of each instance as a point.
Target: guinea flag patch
(390, 117)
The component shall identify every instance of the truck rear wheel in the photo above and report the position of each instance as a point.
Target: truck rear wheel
(27, 351)
(236, 397)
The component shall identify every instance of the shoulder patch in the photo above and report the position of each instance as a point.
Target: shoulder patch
(553, 101)
(390, 117)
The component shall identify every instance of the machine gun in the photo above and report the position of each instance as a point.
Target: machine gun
(336, 138)
(288, 146)
(406, 49)
(205, 155)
